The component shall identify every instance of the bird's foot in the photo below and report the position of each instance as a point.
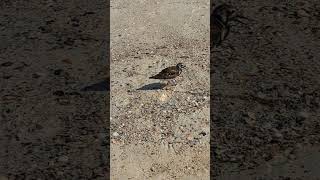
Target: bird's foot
(172, 82)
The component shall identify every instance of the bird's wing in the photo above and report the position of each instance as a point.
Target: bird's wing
(169, 71)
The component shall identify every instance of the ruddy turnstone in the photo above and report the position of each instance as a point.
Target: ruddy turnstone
(169, 73)
(219, 23)
(220, 18)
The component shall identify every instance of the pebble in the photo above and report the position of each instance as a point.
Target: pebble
(189, 137)
(115, 134)
(203, 133)
(113, 141)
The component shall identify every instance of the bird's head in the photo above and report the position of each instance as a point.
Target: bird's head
(180, 66)
(223, 12)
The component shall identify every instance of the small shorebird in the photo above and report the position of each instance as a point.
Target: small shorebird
(222, 13)
(169, 73)
(219, 23)
(219, 20)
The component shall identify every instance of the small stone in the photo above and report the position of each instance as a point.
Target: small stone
(196, 104)
(189, 137)
(115, 134)
(203, 133)
(152, 169)
(113, 141)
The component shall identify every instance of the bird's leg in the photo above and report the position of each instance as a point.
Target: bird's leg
(174, 82)
(225, 32)
(163, 84)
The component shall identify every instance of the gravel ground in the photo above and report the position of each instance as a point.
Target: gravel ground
(265, 95)
(159, 134)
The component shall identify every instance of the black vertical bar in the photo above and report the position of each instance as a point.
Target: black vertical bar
(265, 92)
(54, 72)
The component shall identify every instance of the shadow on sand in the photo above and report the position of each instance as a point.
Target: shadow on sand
(101, 86)
(152, 86)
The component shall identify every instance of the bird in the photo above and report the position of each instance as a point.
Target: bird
(218, 32)
(219, 20)
(222, 13)
(169, 73)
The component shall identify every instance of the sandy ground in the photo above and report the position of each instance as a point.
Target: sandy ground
(264, 97)
(159, 134)
(265, 93)
(50, 129)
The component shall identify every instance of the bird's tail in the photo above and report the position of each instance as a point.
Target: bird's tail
(154, 77)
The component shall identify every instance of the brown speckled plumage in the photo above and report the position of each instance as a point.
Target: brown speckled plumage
(169, 72)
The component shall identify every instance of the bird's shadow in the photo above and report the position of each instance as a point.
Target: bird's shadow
(100, 86)
(152, 86)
